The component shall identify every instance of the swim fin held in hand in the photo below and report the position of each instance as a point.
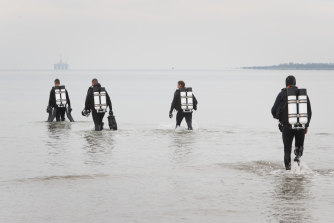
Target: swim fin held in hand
(68, 113)
(52, 113)
(112, 122)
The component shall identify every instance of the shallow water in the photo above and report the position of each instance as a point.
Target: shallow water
(229, 169)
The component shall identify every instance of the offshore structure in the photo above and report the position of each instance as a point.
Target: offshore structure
(60, 65)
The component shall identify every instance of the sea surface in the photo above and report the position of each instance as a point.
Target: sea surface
(229, 169)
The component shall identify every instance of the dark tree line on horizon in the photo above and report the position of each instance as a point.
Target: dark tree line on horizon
(296, 66)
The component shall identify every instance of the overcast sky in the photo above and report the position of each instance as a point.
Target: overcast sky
(196, 34)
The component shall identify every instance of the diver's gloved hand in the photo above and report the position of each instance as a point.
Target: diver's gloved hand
(48, 109)
(85, 112)
(69, 109)
(170, 114)
(111, 113)
(306, 131)
(280, 127)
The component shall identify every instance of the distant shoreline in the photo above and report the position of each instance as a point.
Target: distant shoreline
(295, 66)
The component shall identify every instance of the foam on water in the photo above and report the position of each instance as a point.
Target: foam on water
(171, 125)
(300, 169)
(267, 168)
(296, 169)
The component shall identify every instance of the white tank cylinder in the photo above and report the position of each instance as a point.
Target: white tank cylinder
(302, 107)
(292, 106)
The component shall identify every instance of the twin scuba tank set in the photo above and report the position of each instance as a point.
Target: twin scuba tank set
(61, 101)
(297, 108)
(186, 94)
(100, 105)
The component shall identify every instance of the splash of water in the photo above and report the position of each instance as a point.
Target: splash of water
(300, 169)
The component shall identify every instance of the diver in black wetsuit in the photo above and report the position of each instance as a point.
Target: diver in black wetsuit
(60, 111)
(176, 104)
(89, 105)
(280, 112)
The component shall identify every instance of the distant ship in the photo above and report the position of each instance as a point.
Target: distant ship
(60, 66)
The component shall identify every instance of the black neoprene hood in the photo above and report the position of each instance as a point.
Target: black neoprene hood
(290, 80)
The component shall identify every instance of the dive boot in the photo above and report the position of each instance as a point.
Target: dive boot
(297, 159)
(298, 152)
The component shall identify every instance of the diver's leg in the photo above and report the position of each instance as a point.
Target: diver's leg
(101, 121)
(62, 114)
(179, 118)
(96, 120)
(287, 135)
(299, 144)
(189, 117)
(58, 115)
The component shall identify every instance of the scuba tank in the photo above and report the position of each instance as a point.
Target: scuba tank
(302, 107)
(297, 108)
(60, 94)
(100, 99)
(292, 105)
(186, 95)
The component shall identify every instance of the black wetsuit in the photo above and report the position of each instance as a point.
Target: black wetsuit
(89, 105)
(280, 112)
(176, 104)
(60, 112)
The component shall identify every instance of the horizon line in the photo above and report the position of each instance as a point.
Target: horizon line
(126, 69)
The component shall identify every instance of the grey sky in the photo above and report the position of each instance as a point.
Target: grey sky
(164, 33)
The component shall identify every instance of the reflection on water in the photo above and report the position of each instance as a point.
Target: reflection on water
(291, 197)
(98, 140)
(57, 142)
(99, 145)
(58, 130)
(182, 143)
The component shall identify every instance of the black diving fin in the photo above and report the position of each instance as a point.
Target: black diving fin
(112, 122)
(49, 110)
(68, 114)
(52, 113)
